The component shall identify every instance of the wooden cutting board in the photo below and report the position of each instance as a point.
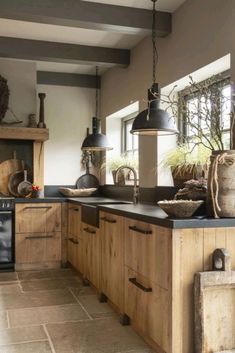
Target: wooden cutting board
(7, 168)
(214, 294)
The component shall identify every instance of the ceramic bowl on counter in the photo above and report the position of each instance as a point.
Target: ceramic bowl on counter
(180, 208)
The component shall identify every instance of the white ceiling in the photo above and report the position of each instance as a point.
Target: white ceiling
(162, 5)
(54, 33)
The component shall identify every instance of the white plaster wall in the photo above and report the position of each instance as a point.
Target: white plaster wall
(21, 77)
(68, 112)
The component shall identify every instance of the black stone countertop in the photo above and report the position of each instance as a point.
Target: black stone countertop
(142, 212)
(154, 215)
(77, 200)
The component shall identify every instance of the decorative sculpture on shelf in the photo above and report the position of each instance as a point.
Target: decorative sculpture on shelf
(4, 97)
(41, 123)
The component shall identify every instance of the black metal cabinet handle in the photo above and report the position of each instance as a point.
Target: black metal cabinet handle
(108, 220)
(40, 237)
(75, 209)
(89, 230)
(35, 207)
(139, 285)
(73, 241)
(138, 230)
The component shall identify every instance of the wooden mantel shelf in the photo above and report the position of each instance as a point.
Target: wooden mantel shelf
(23, 133)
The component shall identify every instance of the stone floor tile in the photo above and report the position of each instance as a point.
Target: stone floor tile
(22, 334)
(85, 290)
(41, 315)
(42, 274)
(47, 284)
(10, 289)
(31, 347)
(93, 306)
(95, 336)
(8, 277)
(36, 298)
(3, 320)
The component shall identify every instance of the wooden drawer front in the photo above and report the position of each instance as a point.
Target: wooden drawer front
(74, 220)
(75, 253)
(112, 252)
(147, 305)
(38, 218)
(38, 248)
(91, 250)
(147, 250)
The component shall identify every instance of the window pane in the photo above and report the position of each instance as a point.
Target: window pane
(226, 140)
(225, 107)
(192, 108)
(205, 112)
(128, 135)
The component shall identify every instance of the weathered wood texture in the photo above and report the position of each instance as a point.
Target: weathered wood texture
(112, 258)
(38, 163)
(38, 235)
(191, 253)
(23, 133)
(215, 311)
(74, 238)
(91, 253)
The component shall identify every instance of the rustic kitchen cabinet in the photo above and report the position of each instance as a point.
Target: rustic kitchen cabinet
(38, 235)
(74, 239)
(112, 258)
(91, 254)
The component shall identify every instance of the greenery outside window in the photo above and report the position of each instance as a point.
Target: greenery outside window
(219, 92)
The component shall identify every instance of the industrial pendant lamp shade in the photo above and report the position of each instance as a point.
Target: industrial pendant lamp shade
(96, 141)
(153, 120)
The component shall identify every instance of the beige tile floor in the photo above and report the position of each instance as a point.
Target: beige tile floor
(51, 312)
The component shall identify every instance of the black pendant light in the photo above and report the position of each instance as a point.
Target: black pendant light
(153, 120)
(96, 141)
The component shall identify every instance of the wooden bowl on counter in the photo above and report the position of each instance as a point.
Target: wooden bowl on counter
(180, 208)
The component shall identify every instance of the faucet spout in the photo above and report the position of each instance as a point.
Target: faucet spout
(136, 188)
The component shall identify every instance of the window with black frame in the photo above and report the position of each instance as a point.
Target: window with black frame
(130, 143)
(199, 107)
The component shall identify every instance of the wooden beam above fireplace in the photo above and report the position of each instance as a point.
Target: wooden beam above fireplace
(23, 133)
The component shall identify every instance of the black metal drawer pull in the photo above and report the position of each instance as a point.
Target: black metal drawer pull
(73, 241)
(139, 285)
(138, 230)
(89, 230)
(40, 237)
(75, 209)
(35, 207)
(108, 220)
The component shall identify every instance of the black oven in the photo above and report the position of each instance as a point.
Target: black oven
(7, 238)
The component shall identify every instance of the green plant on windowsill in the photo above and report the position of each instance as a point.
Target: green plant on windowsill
(186, 164)
(113, 163)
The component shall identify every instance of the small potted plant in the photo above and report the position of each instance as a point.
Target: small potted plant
(186, 164)
(113, 163)
(36, 191)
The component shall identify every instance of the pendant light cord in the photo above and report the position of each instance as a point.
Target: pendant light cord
(97, 93)
(154, 40)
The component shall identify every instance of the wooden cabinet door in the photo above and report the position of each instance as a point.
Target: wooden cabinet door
(91, 252)
(75, 253)
(38, 248)
(38, 218)
(148, 306)
(112, 252)
(148, 250)
(74, 220)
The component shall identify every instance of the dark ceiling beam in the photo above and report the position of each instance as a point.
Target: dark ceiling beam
(61, 52)
(77, 13)
(67, 79)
